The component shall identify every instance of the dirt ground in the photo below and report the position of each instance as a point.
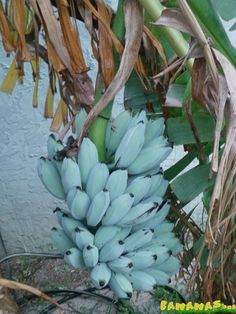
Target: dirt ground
(54, 274)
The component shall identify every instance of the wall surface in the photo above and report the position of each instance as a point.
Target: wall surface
(25, 206)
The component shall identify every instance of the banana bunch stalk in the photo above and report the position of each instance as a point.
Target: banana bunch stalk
(115, 225)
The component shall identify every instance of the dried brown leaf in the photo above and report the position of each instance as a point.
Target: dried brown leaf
(60, 117)
(105, 45)
(155, 43)
(102, 19)
(223, 93)
(230, 75)
(53, 57)
(48, 107)
(71, 38)
(10, 79)
(174, 18)
(200, 36)
(199, 74)
(10, 284)
(54, 34)
(5, 31)
(18, 11)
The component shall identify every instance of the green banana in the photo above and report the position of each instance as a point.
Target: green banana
(142, 259)
(140, 117)
(105, 234)
(121, 286)
(164, 227)
(98, 207)
(90, 255)
(97, 179)
(138, 239)
(80, 204)
(125, 239)
(87, 158)
(159, 141)
(130, 146)
(155, 157)
(118, 209)
(137, 212)
(82, 237)
(53, 146)
(79, 120)
(155, 221)
(116, 129)
(111, 250)
(70, 174)
(117, 183)
(155, 182)
(122, 264)
(123, 233)
(161, 252)
(60, 240)
(50, 178)
(70, 196)
(162, 279)
(161, 190)
(69, 224)
(74, 257)
(139, 187)
(140, 280)
(59, 212)
(170, 266)
(154, 128)
(100, 275)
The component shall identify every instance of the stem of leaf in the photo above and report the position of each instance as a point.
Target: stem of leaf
(154, 8)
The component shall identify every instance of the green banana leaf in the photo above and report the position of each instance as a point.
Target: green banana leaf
(226, 9)
(136, 98)
(178, 167)
(179, 131)
(190, 184)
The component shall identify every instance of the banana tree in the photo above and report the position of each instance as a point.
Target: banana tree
(173, 59)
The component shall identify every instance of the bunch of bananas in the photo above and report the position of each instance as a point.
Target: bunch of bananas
(116, 224)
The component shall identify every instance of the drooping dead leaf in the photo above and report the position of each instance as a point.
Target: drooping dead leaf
(10, 79)
(10, 284)
(200, 36)
(48, 107)
(199, 74)
(174, 18)
(134, 29)
(5, 31)
(53, 56)
(54, 33)
(102, 19)
(60, 117)
(223, 93)
(35, 70)
(18, 11)
(105, 45)
(71, 38)
(155, 43)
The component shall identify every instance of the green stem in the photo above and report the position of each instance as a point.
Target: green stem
(154, 9)
(97, 131)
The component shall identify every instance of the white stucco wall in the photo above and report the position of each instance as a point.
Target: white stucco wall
(25, 206)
